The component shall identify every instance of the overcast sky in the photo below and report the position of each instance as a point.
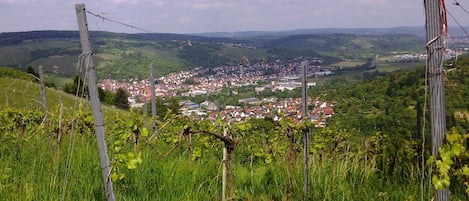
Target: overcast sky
(194, 16)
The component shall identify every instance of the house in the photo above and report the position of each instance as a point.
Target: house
(288, 86)
(209, 106)
(250, 101)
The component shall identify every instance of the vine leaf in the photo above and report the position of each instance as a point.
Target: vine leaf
(440, 183)
(144, 132)
(134, 160)
(465, 171)
(454, 137)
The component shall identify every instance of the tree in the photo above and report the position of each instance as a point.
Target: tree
(121, 100)
(31, 71)
(106, 97)
(76, 86)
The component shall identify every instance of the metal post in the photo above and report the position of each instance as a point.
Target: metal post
(306, 187)
(435, 33)
(153, 98)
(93, 91)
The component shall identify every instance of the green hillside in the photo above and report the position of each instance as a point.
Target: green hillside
(338, 47)
(118, 56)
(21, 91)
(123, 56)
(394, 104)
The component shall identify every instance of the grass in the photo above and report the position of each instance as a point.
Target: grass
(35, 166)
(67, 64)
(382, 66)
(348, 64)
(40, 171)
(389, 67)
(27, 95)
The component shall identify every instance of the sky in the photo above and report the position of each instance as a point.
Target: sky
(198, 16)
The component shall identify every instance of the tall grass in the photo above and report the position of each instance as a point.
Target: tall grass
(40, 170)
(34, 165)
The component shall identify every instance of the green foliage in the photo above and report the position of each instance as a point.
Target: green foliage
(164, 106)
(126, 153)
(31, 71)
(120, 100)
(77, 87)
(203, 55)
(106, 97)
(452, 162)
(15, 73)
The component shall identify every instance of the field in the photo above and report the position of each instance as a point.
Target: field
(348, 64)
(389, 67)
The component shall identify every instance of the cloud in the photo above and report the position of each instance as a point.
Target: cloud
(373, 2)
(185, 19)
(190, 16)
(158, 3)
(125, 1)
(7, 1)
(208, 5)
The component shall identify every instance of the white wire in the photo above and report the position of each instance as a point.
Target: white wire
(71, 146)
(423, 132)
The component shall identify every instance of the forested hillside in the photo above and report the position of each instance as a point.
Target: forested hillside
(337, 47)
(124, 56)
(390, 115)
(394, 104)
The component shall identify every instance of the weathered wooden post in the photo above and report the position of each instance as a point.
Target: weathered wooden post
(93, 92)
(306, 187)
(435, 31)
(153, 98)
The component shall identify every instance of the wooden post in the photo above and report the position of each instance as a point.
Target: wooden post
(43, 91)
(153, 98)
(145, 109)
(306, 188)
(225, 160)
(93, 91)
(435, 31)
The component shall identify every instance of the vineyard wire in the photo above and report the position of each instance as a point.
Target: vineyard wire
(425, 100)
(459, 24)
(78, 97)
(119, 22)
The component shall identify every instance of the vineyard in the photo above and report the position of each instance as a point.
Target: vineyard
(57, 158)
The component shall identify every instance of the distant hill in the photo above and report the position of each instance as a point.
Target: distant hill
(418, 31)
(331, 47)
(123, 56)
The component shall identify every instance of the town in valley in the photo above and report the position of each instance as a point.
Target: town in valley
(262, 77)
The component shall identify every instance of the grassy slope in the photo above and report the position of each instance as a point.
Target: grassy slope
(26, 95)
